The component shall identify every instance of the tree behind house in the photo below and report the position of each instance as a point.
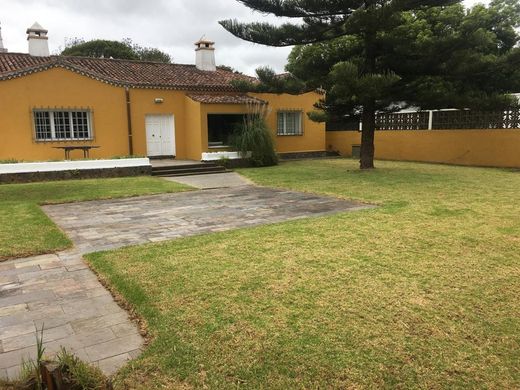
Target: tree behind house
(124, 50)
(370, 54)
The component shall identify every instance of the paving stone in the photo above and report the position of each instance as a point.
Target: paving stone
(13, 373)
(91, 324)
(17, 330)
(5, 279)
(20, 271)
(13, 309)
(98, 336)
(112, 364)
(76, 267)
(39, 275)
(27, 340)
(26, 298)
(36, 261)
(97, 292)
(33, 316)
(114, 347)
(13, 358)
(5, 267)
(51, 265)
(124, 329)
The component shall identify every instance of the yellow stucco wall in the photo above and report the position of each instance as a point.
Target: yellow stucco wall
(55, 89)
(143, 103)
(193, 125)
(493, 148)
(313, 138)
(63, 89)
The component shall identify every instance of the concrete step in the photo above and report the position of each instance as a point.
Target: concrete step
(184, 166)
(181, 170)
(191, 173)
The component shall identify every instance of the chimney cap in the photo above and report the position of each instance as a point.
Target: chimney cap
(204, 41)
(36, 27)
(205, 58)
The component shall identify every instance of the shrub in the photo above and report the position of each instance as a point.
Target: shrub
(254, 136)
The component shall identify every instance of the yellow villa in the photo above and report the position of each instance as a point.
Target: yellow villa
(121, 107)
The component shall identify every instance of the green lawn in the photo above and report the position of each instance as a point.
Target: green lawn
(422, 292)
(25, 229)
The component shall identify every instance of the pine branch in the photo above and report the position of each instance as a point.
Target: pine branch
(285, 35)
(303, 8)
(322, 20)
(410, 5)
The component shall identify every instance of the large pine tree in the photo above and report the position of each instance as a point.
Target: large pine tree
(366, 28)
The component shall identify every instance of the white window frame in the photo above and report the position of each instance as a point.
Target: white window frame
(70, 112)
(299, 124)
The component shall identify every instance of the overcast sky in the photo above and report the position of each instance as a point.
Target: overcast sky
(170, 25)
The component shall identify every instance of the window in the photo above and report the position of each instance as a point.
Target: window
(221, 127)
(62, 125)
(290, 123)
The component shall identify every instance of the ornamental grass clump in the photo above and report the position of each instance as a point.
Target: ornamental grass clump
(253, 139)
(65, 372)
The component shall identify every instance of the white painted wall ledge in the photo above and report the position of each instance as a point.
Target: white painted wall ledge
(57, 166)
(215, 156)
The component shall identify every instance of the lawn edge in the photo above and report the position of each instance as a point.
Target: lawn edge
(24, 255)
(70, 245)
(120, 299)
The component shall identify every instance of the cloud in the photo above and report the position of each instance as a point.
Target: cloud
(170, 25)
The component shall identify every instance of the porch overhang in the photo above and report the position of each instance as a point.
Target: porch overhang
(209, 98)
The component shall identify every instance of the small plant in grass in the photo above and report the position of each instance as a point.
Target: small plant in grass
(9, 161)
(31, 369)
(223, 161)
(66, 372)
(254, 136)
(78, 374)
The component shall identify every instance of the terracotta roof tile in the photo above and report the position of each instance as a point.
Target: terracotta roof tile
(225, 99)
(123, 72)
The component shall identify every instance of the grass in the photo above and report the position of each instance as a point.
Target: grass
(422, 292)
(25, 229)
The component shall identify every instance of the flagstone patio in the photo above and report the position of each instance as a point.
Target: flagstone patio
(60, 292)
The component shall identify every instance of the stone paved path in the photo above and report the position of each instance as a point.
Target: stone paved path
(61, 292)
(102, 225)
(213, 180)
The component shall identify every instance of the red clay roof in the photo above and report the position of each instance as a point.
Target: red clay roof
(225, 98)
(137, 74)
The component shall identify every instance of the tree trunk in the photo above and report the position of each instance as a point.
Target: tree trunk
(367, 137)
(369, 106)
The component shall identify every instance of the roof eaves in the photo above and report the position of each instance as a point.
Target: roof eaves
(61, 62)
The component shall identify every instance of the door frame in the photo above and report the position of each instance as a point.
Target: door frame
(167, 125)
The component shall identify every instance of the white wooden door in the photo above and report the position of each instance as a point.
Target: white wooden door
(160, 135)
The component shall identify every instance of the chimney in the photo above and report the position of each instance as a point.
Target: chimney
(205, 55)
(2, 48)
(38, 41)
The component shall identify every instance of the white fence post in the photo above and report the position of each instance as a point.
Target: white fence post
(430, 120)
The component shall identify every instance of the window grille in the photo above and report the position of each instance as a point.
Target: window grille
(42, 123)
(290, 123)
(62, 125)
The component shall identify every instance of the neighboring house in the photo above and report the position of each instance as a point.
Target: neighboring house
(134, 108)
